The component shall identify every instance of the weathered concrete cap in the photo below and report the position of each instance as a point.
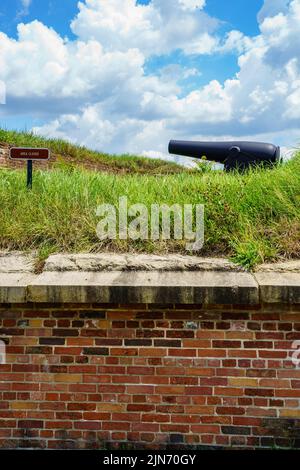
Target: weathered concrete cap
(145, 287)
(137, 262)
(13, 287)
(291, 266)
(16, 262)
(131, 278)
(279, 287)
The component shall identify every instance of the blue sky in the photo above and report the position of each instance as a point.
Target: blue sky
(120, 75)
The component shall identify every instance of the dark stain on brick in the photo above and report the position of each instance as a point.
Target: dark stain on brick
(282, 427)
(92, 314)
(95, 351)
(52, 341)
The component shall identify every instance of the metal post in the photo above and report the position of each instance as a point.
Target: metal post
(29, 174)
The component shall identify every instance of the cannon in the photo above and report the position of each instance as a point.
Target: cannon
(233, 155)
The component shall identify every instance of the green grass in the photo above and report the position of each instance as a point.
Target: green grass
(251, 218)
(69, 156)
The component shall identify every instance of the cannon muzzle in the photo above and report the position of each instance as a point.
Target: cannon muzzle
(234, 155)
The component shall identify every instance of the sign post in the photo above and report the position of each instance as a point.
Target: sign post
(29, 174)
(29, 154)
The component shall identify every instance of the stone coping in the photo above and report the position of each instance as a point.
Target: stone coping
(131, 278)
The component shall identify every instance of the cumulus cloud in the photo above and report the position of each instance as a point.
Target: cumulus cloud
(272, 8)
(94, 90)
(156, 28)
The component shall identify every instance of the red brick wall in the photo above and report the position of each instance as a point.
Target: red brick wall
(94, 376)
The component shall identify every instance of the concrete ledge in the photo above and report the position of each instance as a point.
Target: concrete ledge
(145, 287)
(14, 287)
(110, 278)
(278, 287)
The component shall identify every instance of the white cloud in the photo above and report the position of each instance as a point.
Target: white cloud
(26, 3)
(2, 92)
(271, 8)
(24, 11)
(156, 28)
(192, 4)
(94, 90)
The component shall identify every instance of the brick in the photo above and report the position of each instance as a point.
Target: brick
(81, 369)
(287, 393)
(149, 333)
(67, 351)
(94, 378)
(108, 342)
(70, 378)
(111, 388)
(211, 353)
(178, 428)
(273, 354)
(94, 333)
(243, 353)
(236, 430)
(170, 390)
(26, 423)
(210, 334)
(23, 405)
(258, 344)
(199, 391)
(138, 342)
(153, 352)
(124, 351)
(261, 373)
(180, 334)
(39, 350)
(65, 332)
(276, 403)
(59, 424)
(245, 382)
(200, 371)
(80, 341)
(169, 343)
(11, 332)
(81, 406)
(214, 381)
(228, 391)
(205, 429)
(95, 351)
(118, 426)
(141, 408)
(274, 383)
(155, 418)
(227, 410)
(198, 409)
(138, 370)
(125, 379)
(184, 380)
(292, 413)
(226, 344)
(259, 392)
(196, 343)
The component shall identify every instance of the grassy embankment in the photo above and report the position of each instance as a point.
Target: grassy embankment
(251, 218)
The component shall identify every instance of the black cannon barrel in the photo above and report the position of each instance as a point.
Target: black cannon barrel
(233, 154)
